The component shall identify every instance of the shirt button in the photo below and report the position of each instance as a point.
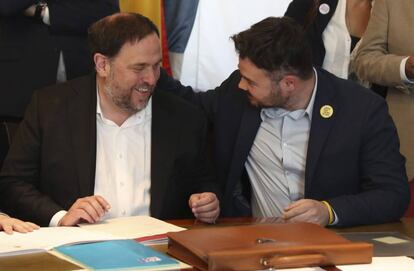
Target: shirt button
(120, 156)
(123, 212)
(122, 183)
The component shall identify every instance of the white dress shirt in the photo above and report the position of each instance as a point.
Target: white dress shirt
(123, 164)
(337, 42)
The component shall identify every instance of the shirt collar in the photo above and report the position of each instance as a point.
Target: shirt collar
(309, 108)
(135, 119)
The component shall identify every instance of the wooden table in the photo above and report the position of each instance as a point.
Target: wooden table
(405, 226)
(46, 261)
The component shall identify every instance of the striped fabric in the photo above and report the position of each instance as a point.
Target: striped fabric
(179, 21)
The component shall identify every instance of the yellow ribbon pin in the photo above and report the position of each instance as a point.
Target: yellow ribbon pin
(326, 111)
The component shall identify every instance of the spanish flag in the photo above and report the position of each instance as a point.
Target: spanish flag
(154, 10)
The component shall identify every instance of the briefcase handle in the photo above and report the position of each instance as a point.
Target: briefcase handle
(287, 261)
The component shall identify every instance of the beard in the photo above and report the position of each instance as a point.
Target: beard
(124, 98)
(273, 99)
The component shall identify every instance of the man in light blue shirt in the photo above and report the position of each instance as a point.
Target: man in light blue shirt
(299, 143)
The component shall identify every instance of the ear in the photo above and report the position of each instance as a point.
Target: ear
(102, 65)
(290, 82)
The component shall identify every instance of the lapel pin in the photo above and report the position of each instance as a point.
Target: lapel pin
(326, 111)
(324, 9)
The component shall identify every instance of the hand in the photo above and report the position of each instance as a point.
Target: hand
(89, 209)
(30, 11)
(9, 224)
(205, 206)
(409, 68)
(307, 210)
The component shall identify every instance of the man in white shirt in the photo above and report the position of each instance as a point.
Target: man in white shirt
(110, 144)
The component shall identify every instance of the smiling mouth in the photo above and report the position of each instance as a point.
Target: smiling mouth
(142, 89)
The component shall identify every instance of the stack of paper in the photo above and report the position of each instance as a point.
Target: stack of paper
(382, 264)
(64, 241)
(145, 229)
(44, 239)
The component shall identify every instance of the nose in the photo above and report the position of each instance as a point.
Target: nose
(243, 84)
(151, 76)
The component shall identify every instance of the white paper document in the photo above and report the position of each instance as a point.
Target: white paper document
(382, 264)
(298, 269)
(132, 227)
(47, 238)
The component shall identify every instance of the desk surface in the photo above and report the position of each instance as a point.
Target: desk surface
(405, 226)
(45, 261)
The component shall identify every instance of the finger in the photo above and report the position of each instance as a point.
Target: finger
(206, 208)
(30, 226)
(91, 206)
(33, 225)
(88, 207)
(209, 217)
(193, 199)
(105, 205)
(299, 218)
(294, 211)
(20, 227)
(308, 217)
(8, 229)
(74, 216)
(211, 214)
(295, 204)
(82, 214)
(204, 199)
(99, 209)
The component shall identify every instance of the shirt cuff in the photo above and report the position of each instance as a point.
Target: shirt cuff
(54, 222)
(46, 18)
(403, 76)
(336, 220)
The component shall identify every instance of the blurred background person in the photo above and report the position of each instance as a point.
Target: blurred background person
(386, 57)
(334, 27)
(41, 43)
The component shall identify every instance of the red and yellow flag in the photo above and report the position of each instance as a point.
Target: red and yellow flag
(154, 10)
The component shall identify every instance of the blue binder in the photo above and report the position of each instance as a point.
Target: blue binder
(117, 255)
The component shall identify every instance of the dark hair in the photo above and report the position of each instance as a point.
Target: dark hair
(109, 34)
(276, 44)
(311, 14)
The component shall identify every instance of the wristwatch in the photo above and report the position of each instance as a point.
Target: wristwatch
(40, 7)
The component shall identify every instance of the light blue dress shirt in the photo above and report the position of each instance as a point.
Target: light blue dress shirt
(277, 160)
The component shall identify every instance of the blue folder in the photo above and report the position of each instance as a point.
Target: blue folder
(117, 255)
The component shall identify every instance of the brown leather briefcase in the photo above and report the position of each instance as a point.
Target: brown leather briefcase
(265, 246)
